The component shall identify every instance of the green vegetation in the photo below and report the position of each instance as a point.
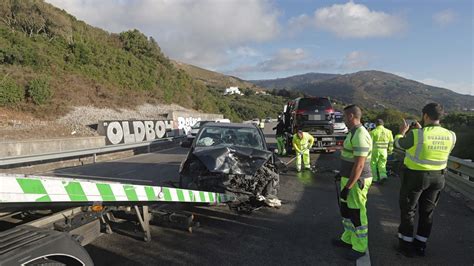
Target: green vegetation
(213, 79)
(462, 124)
(392, 118)
(38, 91)
(249, 105)
(10, 92)
(373, 89)
(87, 65)
(37, 38)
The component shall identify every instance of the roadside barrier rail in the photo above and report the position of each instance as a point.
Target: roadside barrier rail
(459, 177)
(16, 160)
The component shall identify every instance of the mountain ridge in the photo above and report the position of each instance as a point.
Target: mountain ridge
(373, 89)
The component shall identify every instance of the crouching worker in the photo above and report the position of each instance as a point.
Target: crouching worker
(302, 143)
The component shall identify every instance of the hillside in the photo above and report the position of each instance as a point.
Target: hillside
(293, 81)
(213, 79)
(77, 64)
(50, 62)
(379, 89)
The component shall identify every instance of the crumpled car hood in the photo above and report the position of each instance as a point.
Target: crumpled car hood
(232, 159)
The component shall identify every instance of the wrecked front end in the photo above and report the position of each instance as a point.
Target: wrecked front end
(247, 174)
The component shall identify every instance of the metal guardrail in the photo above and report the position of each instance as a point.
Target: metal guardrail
(84, 152)
(459, 177)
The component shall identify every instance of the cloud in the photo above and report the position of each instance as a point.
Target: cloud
(458, 87)
(285, 60)
(350, 20)
(299, 23)
(299, 60)
(355, 60)
(244, 51)
(444, 17)
(200, 32)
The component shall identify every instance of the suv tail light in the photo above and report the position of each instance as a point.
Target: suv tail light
(299, 112)
(329, 113)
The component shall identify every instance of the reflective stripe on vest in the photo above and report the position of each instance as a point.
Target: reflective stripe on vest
(303, 143)
(431, 152)
(381, 145)
(362, 144)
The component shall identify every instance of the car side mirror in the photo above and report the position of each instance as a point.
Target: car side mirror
(186, 144)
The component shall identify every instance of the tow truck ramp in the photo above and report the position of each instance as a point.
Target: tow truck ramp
(72, 213)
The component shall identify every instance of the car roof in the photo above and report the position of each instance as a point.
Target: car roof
(235, 125)
(311, 97)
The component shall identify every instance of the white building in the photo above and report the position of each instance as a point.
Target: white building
(232, 90)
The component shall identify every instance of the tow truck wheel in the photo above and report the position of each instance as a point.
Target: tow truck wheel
(55, 261)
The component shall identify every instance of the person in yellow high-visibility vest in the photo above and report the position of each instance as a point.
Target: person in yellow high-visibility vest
(382, 147)
(427, 151)
(302, 143)
(356, 179)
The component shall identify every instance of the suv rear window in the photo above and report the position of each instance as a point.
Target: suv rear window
(311, 103)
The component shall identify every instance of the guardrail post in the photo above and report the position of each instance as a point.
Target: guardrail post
(95, 158)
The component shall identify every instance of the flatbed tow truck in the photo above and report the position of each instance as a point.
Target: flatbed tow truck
(47, 220)
(323, 141)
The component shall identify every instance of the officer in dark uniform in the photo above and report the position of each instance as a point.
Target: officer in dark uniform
(427, 150)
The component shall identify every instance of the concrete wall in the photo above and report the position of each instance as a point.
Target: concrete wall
(184, 120)
(31, 147)
(181, 124)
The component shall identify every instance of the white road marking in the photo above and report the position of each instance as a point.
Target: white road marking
(365, 260)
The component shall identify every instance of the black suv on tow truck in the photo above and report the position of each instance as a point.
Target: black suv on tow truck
(312, 114)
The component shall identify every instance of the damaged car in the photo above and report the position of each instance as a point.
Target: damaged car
(233, 159)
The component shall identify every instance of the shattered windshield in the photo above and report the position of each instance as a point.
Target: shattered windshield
(214, 136)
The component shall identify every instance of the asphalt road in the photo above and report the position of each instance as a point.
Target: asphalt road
(298, 233)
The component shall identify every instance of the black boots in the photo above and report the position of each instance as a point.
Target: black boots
(419, 247)
(406, 248)
(410, 249)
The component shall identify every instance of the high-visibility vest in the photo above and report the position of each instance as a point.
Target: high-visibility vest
(382, 138)
(431, 148)
(357, 143)
(304, 143)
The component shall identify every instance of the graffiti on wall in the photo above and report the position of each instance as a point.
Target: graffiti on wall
(118, 132)
(132, 131)
(185, 123)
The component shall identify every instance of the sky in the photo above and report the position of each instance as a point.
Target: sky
(430, 41)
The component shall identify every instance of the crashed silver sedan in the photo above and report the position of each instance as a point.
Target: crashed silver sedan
(232, 159)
